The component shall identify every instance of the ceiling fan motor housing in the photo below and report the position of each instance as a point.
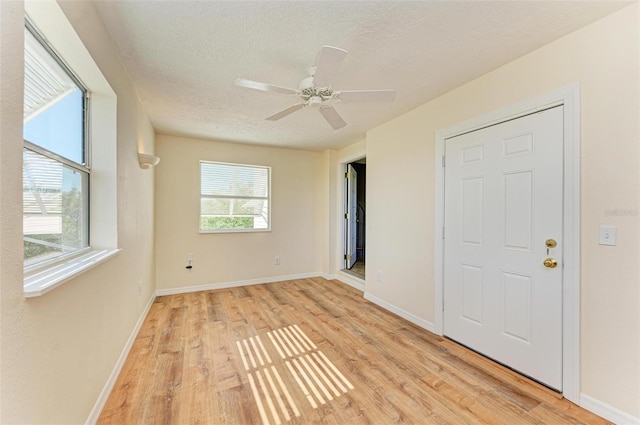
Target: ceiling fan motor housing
(307, 83)
(315, 95)
(311, 93)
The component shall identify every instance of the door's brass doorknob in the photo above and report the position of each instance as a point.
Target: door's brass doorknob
(550, 263)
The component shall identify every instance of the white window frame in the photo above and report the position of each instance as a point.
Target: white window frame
(266, 198)
(82, 167)
(54, 26)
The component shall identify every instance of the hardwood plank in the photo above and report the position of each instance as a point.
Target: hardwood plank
(256, 355)
(575, 411)
(198, 379)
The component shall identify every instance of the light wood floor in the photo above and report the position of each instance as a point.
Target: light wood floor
(312, 351)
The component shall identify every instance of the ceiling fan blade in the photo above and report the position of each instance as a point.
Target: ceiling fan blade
(329, 62)
(290, 110)
(365, 95)
(332, 117)
(263, 86)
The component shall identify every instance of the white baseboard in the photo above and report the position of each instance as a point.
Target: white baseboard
(399, 312)
(224, 285)
(348, 279)
(609, 413)
(108, 386)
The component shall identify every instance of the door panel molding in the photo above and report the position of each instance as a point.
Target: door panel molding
(569, 96)
(514, 208)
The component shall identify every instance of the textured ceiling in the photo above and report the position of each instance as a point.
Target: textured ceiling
(184, 56)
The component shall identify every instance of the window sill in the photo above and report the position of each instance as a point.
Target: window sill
(43, 280)
(234, 231)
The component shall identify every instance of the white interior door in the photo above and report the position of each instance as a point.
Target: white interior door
(503, 201)
(352, 211)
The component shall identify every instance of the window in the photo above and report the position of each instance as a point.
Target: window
(56, 171)
(234, 197)
(69, 183)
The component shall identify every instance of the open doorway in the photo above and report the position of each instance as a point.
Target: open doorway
(355, 215)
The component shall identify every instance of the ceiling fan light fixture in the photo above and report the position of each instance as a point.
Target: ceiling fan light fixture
(315, 101)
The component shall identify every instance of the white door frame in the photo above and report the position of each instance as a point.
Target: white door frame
(351, 241)
(568, 96)
(352, 280)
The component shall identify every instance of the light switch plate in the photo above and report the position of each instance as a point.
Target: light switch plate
(607, 235)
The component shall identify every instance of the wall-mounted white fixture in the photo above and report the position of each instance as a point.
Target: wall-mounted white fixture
(147, 161)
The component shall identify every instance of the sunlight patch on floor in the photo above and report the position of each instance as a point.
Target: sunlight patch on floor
(317, 377)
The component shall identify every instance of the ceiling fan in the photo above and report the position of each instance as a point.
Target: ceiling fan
(316, 90)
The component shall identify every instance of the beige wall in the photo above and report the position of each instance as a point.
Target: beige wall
(603, 58)
(59, 349)
(326, 218)
(298, 210)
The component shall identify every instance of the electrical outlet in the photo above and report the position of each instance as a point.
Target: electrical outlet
(607, 235)
(140, 288)
(379, 276)
(276, 260)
